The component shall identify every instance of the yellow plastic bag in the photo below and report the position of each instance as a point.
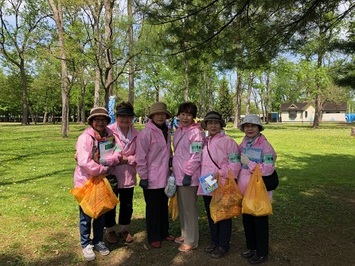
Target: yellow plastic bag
(226, 200)
(173, 207)
(256, 200)
(96, 196)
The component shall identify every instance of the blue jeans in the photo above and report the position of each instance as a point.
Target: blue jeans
(85, 229)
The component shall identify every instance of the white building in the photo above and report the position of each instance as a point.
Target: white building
(304, 112)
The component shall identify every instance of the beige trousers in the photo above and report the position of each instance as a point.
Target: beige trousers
(188, 214)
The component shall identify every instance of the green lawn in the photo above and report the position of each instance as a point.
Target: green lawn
(39, 216)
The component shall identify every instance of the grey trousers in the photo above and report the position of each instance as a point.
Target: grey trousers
(188, 214)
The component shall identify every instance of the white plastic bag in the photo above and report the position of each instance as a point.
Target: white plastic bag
(170, 188)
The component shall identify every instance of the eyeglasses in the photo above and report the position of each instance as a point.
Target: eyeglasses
(97, 120)
(250, 125)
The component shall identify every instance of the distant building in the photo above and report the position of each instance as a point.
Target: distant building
(304, 112)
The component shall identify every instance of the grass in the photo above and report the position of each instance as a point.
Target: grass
(39, 216)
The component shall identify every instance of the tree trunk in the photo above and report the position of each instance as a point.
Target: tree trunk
(186, 80)
(81, 112)
(108, 50)
(318, 101)
(45, 115)
(249, 88)
(318, 111)
(202, 109)
(96, 13)
(157, 94)
(131, 59)
(58, 18)
(238, 99)
(25, 105)
(267, 98)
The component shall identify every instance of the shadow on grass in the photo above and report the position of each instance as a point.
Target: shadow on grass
(67, 172)
(13, 260)
(314, 210)
(18, 155)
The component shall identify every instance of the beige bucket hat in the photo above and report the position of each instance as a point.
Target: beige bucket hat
(159, 107)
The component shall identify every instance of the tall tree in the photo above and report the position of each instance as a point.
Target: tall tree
(131, 63)
(314, 41)
(225, 102)
(344, 70)
(57, 9)
(108, 45)
(92, 12)
(238, 98)
(19, 34)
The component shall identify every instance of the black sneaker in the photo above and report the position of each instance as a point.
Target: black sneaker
(257, 259)
(218, 253)
(248, 254)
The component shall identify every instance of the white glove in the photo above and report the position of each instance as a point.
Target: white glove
(244, 159)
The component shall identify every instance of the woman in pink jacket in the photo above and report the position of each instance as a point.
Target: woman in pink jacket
(153, 156)
(220, 154)
(124, 172)
(188, 140)
(94, 146)
(256, 229)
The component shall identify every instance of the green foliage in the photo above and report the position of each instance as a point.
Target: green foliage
(224, 104)
(10, 95)
(344, 70)
(180, 50)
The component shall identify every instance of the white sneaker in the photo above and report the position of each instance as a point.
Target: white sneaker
(88, 252)
(100, 247)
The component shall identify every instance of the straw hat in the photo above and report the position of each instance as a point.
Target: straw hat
(99, 111)
(159, 107)
(213, 116)
(251, 119)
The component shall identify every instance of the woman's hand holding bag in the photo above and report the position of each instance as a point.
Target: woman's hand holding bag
(256, 200)
(226, 200)
(96, 196)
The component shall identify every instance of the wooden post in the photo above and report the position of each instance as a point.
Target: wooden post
(352, 131)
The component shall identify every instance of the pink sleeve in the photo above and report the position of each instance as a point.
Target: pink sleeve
(234, 166)
(195, 158)
(142, 146)
(132, 158)
(84, 147)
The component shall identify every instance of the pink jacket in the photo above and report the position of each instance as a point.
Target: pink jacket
(153, 154)
(86, 167)
(188, 143)
(125, 173)
(266, 166)
(225, 152)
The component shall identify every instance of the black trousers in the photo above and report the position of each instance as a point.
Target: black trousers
(221, 231)
(126, 208)
(156, 214)
(256, 231)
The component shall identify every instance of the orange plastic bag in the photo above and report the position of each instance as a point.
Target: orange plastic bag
(173, 207)
(256, 200)
(226, 200)
(95, 197)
